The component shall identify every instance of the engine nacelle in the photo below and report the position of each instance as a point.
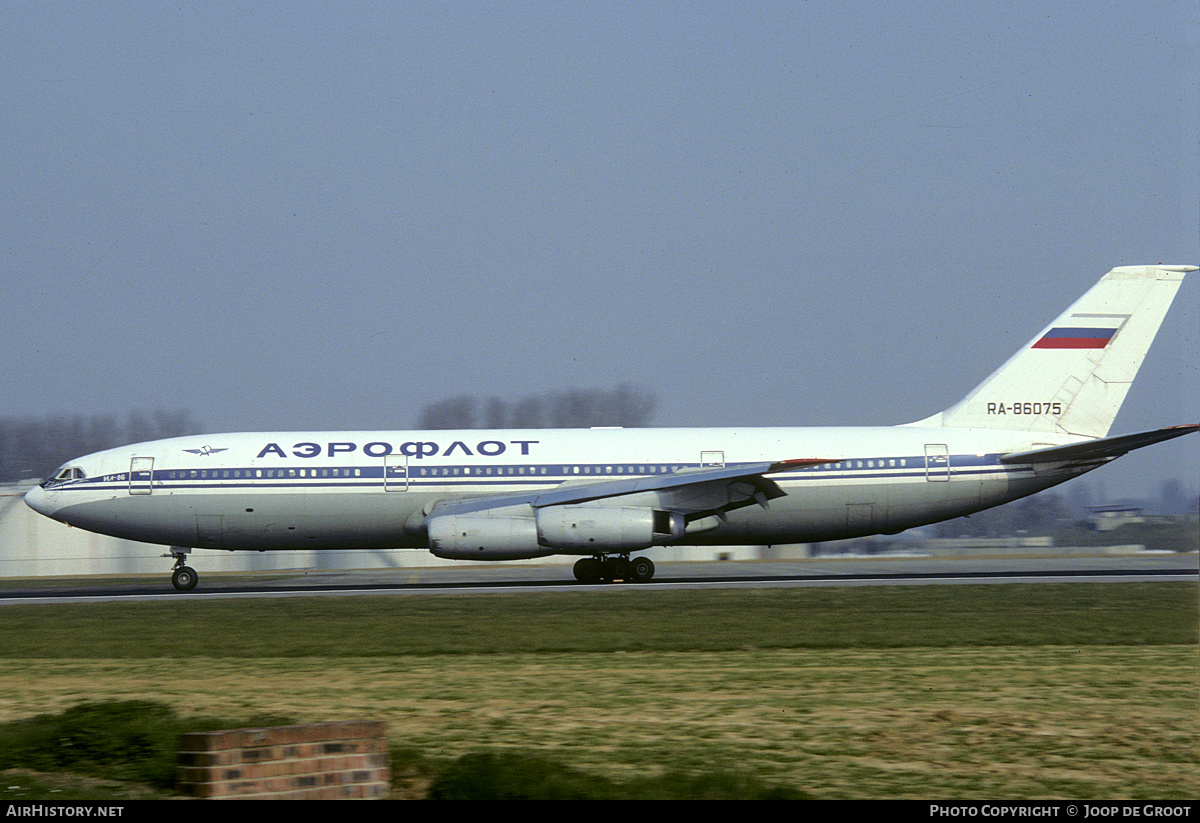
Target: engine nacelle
(568, 529)
(484, 537)
(586, 529)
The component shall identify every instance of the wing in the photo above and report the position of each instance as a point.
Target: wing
(1102, 449)
(597, 517)
(694, 493)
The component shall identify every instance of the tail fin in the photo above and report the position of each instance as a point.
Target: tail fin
(1073, 376)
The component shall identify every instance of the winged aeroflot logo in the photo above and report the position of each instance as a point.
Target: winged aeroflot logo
(203, 451)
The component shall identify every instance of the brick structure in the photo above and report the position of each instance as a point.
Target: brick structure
(317, 761)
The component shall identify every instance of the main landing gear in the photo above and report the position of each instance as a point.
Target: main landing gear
(603, 569)
(184, 577)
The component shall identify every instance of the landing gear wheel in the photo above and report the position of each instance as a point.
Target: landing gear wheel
(587, 570)
(641, 569)
(616, 568)
(184, 578)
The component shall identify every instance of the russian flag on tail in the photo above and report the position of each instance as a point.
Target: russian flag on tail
(1077, 337)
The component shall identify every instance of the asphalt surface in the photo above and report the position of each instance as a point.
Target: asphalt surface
(499, 577)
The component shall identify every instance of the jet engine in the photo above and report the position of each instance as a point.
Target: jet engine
(588, 529)
(555, 529)
(480, 536)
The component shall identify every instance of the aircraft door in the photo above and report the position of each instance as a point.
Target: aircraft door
(937, 462)
(395, 473)
(141, 475)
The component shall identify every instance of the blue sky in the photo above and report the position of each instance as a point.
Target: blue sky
(286, 216)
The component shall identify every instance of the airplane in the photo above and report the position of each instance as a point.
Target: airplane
(609, 494)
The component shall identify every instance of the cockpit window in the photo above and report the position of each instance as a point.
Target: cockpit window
(66, 474)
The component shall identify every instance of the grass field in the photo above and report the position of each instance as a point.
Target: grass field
(1013, 691)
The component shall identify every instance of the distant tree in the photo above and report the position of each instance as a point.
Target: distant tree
(496, 414)
(1040, 513)
(624, 405)
(528, 413)
(1037, 514)
(32, 448)
(454, 413)
(1173, 498)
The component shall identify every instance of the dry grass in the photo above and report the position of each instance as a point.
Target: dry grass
(1014, 722)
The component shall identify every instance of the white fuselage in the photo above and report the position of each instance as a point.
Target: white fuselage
(367, 490)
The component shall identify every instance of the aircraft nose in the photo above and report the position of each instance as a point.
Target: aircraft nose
(37, 499)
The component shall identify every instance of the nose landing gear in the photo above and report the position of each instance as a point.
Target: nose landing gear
(183, 577)
(604, 569)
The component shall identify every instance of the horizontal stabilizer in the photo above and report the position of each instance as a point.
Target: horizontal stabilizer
(1106, 448)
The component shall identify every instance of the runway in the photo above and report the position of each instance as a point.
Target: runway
(467, 578)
